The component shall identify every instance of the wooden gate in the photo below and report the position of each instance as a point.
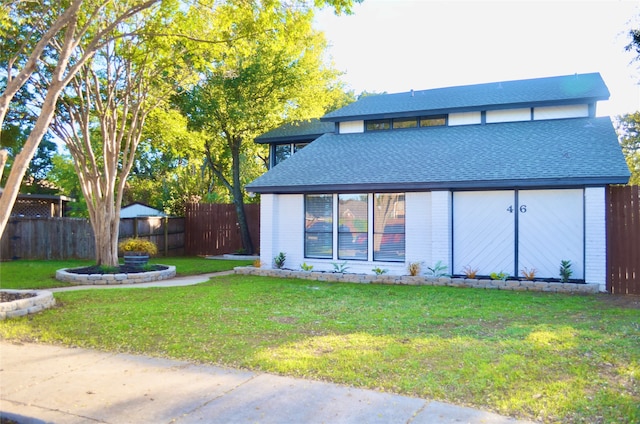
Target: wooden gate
(212, 229)
(623, 240)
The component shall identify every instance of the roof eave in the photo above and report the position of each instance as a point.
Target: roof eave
(540, 183)
(289, 138)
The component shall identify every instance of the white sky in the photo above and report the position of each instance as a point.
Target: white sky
(399, 45)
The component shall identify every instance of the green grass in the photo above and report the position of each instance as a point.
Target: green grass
(33, 274)
(539, 356)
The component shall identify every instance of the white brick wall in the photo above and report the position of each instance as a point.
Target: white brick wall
(595, 237)
(418, 227)
(441, 228)
(267, 233)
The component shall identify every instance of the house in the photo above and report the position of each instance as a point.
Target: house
(497, 177)
(137, 209)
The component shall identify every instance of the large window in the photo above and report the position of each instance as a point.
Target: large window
(318, 228)
(352, 226)
(389, 230)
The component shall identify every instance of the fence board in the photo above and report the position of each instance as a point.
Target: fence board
(212, 229)
(623, 239)
(66, 238)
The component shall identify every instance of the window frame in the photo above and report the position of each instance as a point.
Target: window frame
(379, 236)
(356, 241)
(325, 231)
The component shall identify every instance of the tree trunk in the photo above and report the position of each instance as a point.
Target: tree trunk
(21, 162)
(238, 200)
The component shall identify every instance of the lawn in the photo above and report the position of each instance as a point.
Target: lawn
(33, 274)
(538, 356)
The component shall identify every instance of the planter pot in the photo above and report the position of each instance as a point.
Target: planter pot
(137, 261)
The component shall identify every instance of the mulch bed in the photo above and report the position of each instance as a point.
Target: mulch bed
(122, 269)
(10, 297)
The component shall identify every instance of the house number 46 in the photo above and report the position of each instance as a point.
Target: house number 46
(523, 208)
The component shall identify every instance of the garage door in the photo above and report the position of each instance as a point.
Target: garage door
(483, 231)
(505, 231)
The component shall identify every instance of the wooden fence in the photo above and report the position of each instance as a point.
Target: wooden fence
(212, 229)
(623, 240)
(66, 238)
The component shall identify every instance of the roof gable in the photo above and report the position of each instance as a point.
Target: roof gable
(570, 89)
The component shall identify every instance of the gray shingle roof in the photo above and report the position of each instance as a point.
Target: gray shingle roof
(303, 130)
(553, 153)
(579, 88)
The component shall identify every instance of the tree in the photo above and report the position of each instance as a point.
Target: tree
(63, 175)
(628, 125)
(255, 84)
(102, 114)
(61, 36)
(628, 128)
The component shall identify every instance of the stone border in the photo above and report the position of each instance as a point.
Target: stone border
(113, 279)
(30, 305)
(516, 285)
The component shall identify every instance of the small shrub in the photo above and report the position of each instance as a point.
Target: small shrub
(437, 270)
(565, 270)
(529, 274)
(499, 276)
(306, 267)
(414, 268)
(470, 272)
(379, 271)
(138, 245)
(340, 267)
(106, 269)
(257, 263)
(279, 260)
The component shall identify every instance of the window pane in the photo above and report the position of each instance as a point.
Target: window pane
(433, 121)
(318, 238)
(282, 152)
(405, 123)
(299, 146)
(378, 124)
(352, 226)
(389, 231)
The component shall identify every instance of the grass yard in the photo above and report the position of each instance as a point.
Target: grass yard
(539, 356)
(33, 274)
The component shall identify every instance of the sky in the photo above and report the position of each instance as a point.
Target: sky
(399, 45)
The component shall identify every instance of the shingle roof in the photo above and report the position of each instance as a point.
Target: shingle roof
(553, 153)
(579, 88)
(302, 130)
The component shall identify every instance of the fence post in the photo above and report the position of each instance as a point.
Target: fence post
(166, 236)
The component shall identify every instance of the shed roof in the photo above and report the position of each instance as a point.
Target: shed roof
(569, 89)
(552, 153)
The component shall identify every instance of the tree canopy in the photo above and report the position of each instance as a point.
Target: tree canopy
(254, 84)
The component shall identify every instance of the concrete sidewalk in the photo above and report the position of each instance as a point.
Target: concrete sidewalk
(52, 384)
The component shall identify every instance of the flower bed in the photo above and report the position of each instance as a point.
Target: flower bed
(67, 275)
(17, 303)
(517, 285)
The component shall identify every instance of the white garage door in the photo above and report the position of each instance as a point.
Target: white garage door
(483, 231)
(551, 229)
(549, 223)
